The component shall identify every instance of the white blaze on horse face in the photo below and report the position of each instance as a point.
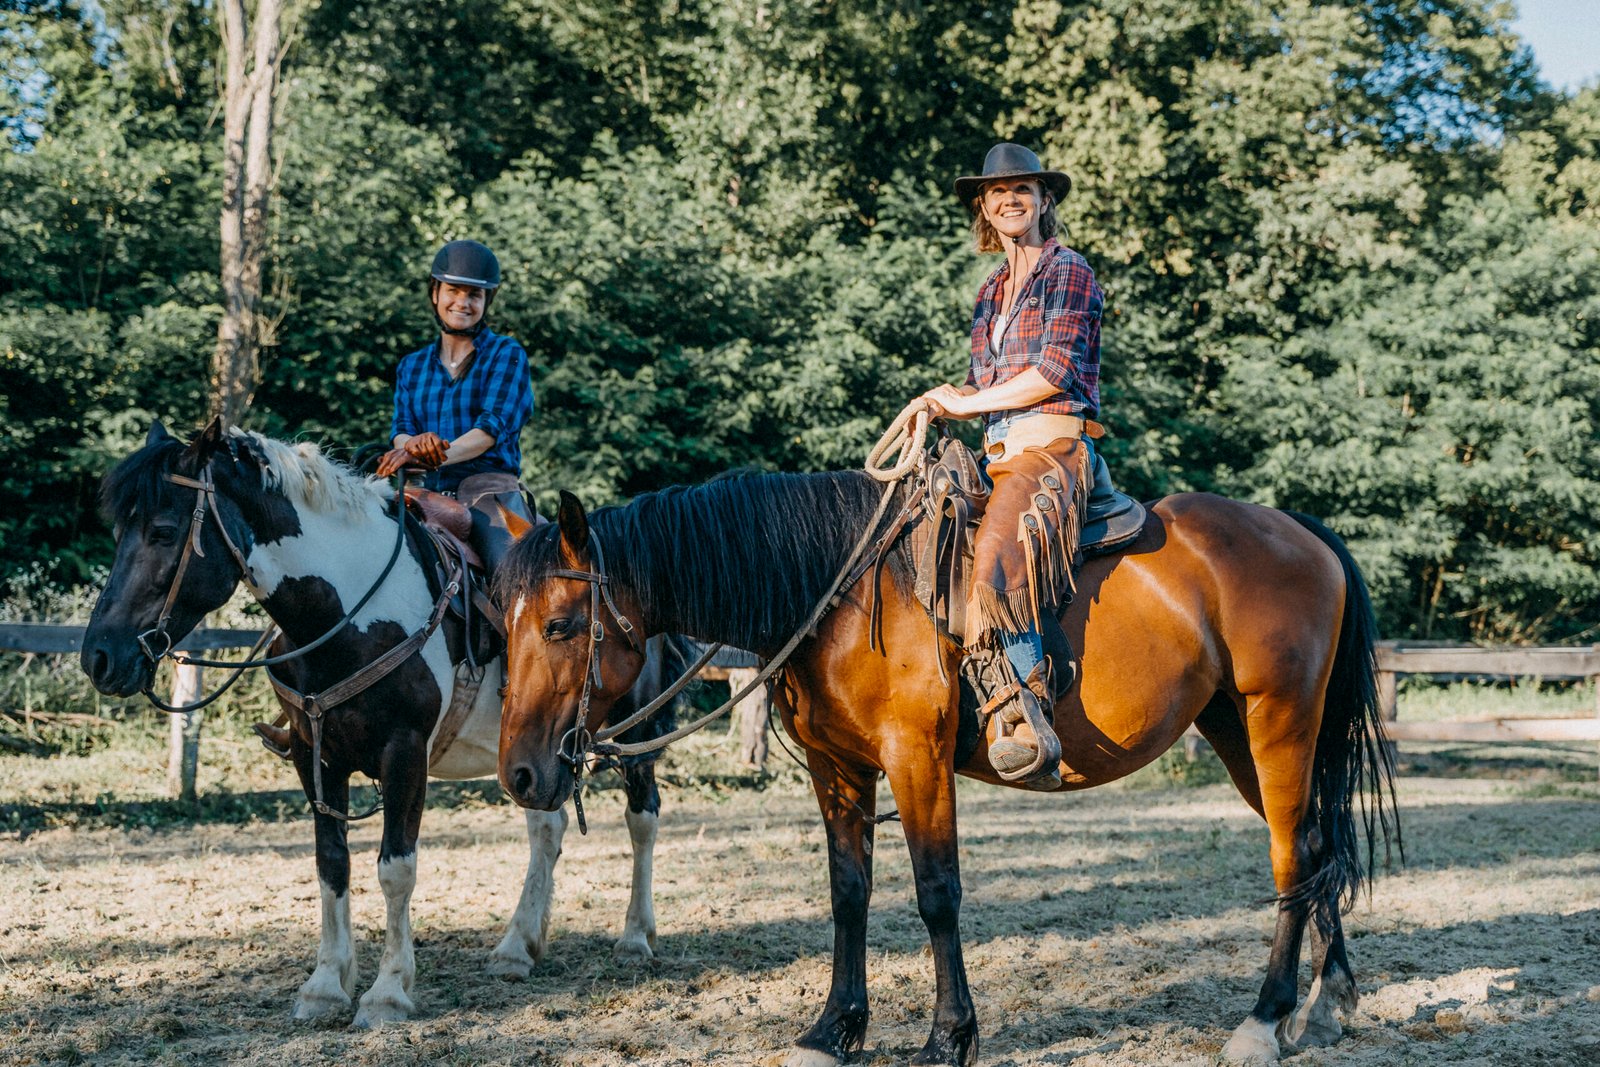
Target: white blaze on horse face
(389, 999)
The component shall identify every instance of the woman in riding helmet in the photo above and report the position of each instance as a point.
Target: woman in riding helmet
(461, 402)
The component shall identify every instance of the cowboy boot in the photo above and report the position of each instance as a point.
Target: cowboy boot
(1023, 747)
(274, 737)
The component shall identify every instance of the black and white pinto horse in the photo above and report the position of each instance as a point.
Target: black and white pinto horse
(313, 537)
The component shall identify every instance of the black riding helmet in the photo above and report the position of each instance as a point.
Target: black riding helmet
(464, 263)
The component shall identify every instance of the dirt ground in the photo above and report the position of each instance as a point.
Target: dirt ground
(1117, 927)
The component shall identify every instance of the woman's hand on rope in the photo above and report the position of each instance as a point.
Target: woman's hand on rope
(948, 402)
(428, 449)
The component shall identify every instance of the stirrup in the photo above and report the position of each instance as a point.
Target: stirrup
(274, 738)
(1030, 753)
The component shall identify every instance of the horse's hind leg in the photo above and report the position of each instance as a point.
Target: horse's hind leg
(333, 981)
(527, 934)
(1332, 989)
(638, 938)
(1283, 747)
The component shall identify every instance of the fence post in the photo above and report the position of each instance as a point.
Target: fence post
(183, 744)
(1389, 705)
(1596, 680)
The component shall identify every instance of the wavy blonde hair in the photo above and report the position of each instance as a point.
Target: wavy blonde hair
(984, 235)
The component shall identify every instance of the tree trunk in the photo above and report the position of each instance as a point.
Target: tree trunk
(246, 189)
(750, 717)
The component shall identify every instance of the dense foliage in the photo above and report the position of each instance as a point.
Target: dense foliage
(1351, 249)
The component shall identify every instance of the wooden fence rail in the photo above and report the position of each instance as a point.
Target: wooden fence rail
(1394, 658)
(183, 738)
(183, 744)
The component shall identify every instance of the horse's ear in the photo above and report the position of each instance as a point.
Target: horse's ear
(514, 522)
(574, 531)
(157, 434)
(206, 442)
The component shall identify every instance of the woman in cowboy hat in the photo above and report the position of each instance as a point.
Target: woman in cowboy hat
(1035, 380)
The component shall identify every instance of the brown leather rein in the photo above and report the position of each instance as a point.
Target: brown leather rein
(577, 744)
(313, 705)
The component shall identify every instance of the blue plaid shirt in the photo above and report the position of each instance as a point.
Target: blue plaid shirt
(494, 394)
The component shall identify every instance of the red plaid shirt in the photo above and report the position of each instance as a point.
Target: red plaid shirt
(1055, 327)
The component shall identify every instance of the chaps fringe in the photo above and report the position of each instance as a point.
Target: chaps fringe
(1050, 548)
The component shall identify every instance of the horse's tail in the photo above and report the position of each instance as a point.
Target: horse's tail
(1353, 764)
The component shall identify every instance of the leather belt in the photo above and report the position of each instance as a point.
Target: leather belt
(1037, 431)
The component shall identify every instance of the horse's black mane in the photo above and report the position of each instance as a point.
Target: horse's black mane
(741, 559)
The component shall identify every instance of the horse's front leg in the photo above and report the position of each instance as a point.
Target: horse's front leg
(333, 981)
(404, 771)
(924, 784)
(848, 799)
(638, 938)
(529, 929)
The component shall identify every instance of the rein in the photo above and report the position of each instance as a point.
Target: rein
(313, 705)
(577, 744)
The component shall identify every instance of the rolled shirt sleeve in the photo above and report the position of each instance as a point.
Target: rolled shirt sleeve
(405, 414)
(1071, 323)
(508, 400)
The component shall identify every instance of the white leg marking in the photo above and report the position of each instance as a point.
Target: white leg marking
(639, 931)
(389, 999)
(809, 1057)
(1253, 1042)
(524, 943)
(334, 979)
(1317, 1021)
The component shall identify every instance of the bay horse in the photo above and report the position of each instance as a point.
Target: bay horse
(1254, 624)
(309, 537)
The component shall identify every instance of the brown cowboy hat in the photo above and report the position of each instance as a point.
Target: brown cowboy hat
(1012, 161)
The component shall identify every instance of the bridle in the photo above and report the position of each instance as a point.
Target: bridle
(205, 496)
(313, 705)
(206, 500)
(578, 741)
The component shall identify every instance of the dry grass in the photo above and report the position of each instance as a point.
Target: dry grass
(1116, 927)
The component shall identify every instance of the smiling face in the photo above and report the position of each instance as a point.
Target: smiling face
(459, 306)
(1013, 206)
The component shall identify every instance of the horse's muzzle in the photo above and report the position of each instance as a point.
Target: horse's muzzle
(530, 789)
(116, 669)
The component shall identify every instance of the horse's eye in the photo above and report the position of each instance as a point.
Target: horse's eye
(557, 629)
(163, 535)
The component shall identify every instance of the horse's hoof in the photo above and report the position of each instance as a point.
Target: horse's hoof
(509, 967)
(319, 999)
(375, 1013)
(1305, 1032)
(1253, 1043)
(632, 950)
(1317, 1022)
(810, 1057)
(309, 1007)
